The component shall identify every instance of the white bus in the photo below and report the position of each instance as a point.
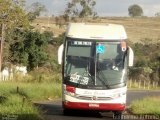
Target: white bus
(94, 62)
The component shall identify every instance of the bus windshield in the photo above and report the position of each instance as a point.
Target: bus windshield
(93, 64)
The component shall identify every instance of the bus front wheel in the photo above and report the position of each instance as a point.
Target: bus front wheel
(67, 111)
(117, 115)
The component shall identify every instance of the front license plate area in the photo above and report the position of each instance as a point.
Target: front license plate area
(93, 105)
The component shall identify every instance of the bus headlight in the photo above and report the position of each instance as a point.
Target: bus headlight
(117, 95)
(69, 90)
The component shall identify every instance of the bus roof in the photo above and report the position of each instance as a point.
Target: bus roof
(96, 31)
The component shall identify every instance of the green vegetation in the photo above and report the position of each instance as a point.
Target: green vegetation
(29, 49)
(149, 105)
(12, 15)
(24, 46)
(18, 97)
(14, 104)
(31, 91)
(147, 64)
(35, 45)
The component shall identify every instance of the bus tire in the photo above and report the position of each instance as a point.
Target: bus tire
(67, 112)
(117, 115)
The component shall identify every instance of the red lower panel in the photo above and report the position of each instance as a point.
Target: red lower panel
(94, 106)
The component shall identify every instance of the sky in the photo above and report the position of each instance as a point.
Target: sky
(103, 7)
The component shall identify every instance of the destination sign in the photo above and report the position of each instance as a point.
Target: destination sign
(81, 43)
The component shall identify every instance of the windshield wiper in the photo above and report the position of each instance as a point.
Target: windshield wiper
(109, 85)
(103, 79)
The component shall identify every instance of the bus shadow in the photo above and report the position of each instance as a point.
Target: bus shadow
(56, 109)
(49, 108)
(84, 113)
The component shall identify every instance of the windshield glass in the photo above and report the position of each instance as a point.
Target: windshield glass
(92, 63)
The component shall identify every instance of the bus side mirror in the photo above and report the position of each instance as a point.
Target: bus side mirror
(60, 54)
(130, 57)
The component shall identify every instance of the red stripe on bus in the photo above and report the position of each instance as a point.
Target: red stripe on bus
(94, 106)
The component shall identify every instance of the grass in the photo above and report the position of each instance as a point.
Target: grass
(148, 105)
(16, 105)
(18, 97)
(32, 91)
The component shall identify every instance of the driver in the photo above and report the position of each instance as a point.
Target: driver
(118, 62)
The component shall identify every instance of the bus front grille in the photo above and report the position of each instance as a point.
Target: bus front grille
(93, 98)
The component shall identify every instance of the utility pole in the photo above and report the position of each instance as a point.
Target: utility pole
(1, 48)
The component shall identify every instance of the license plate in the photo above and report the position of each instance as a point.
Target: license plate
(93, 105)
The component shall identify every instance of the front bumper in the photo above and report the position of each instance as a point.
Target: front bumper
(94, 106)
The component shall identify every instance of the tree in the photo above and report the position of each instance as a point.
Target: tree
(35, 10)
(13, 17)
(18, 54)
(29, 49)
(157, 14)
(35, 45)
(80, 8)
(135, 10)
(20, 3)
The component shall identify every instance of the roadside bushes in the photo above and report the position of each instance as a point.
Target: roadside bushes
(147, 62)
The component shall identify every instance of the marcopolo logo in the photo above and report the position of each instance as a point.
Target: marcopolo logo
(94, 98)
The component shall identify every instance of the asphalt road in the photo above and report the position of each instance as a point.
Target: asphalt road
(52, 110)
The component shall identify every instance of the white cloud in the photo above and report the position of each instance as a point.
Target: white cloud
(150, 10)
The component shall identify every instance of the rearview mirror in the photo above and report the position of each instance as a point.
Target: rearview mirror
(130, 57)
(60, 54)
